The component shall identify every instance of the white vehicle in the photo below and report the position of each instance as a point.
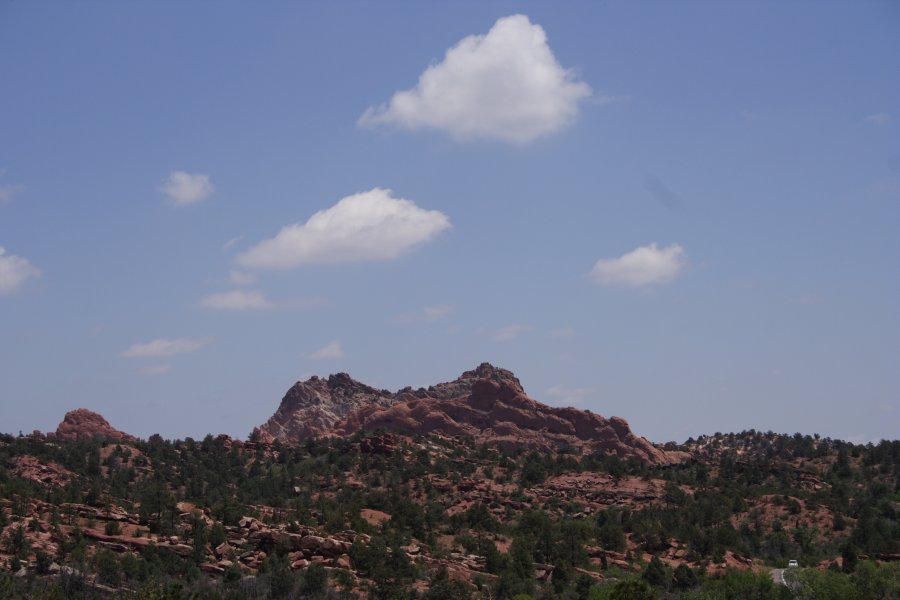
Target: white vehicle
(793, 563)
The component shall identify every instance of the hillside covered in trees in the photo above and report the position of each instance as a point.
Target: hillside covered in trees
(389, 516)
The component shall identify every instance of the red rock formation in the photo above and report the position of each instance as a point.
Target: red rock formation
(486, 403)
(462, 386)
(312, 407)
(501, 413)
(46, 473)
(82, 422)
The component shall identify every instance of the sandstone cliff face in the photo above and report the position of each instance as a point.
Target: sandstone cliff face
(486, 403)
(312, 407)
(82, 423)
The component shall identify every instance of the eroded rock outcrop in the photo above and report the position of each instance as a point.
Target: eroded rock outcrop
(312, 407)
(487, 403)
(84, 423)
(500, 412)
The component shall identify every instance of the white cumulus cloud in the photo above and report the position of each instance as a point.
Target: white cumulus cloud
(236, 300)
(643, 266)
(330, 350)
(187, 188)
(369, 226)
(163, 347)
(14, 272)
(504, 85)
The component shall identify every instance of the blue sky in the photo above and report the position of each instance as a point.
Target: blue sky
(682, 214)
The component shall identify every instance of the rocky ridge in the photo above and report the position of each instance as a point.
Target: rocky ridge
(487, 404)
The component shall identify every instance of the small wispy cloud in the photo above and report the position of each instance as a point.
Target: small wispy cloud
(8, 191)
(155, 369)
(429, 314)
(184, 188)
(14, 272)
(242, 299)
(436, 313)
(880, 119)
(236, 300)
(643, 266)
(241, 278)
(331, 350)
(563, 332)
(230, 243)
(510, 332)
(568, 394)
(164, 347)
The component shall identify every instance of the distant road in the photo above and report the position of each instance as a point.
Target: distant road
(778, 576)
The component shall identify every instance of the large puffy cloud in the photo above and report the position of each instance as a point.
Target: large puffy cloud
(369, 226)
(163, 347)
(643, 266)
(504, 85)
(187, 188)
(14, 272)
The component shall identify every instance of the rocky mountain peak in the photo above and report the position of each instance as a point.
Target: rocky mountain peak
(312, 407)
(462, 385)
(342, 382)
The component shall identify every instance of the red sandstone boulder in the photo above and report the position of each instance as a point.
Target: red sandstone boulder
(83, 423)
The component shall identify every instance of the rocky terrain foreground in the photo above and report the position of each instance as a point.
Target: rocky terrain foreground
(487, 404)
(466, 489)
